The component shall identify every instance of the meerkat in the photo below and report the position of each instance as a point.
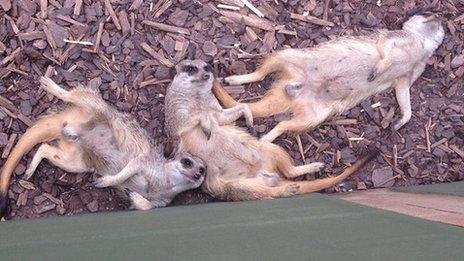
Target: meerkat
(239, 166)
(92, 136)
(333, 77)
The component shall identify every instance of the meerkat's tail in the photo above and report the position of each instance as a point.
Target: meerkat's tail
(306, 187)
(223, 96)
(46, 129)
(85, 98)
(275, 101)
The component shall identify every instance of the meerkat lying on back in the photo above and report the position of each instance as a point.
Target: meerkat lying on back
(93, 136)
(335, 76)
(239, 167)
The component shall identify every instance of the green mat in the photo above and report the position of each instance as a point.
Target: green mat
(453, 189)
(313, 227)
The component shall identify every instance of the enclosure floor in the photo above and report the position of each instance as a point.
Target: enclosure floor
(452, 189)
(315, 227)
(437, 207)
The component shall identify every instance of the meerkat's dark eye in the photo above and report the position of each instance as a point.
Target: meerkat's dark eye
(187, 163)
(208, 68)
(202, 171)
(190, 69)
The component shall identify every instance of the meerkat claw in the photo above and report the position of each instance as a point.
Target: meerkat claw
(372, 76)
(128, 192)
(207, 132)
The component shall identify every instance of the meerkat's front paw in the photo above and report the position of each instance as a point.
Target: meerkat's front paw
(291, 190)
(205, 126)
(104, 182)
(248, 115)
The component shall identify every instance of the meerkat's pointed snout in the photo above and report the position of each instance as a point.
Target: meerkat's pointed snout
(427, 27)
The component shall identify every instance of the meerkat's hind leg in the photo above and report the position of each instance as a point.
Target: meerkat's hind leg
(275, 101)
(51, 87)
(271, 64)
(404, 101)
(296, 124)
(297, 171)
(284, 163)
(255, 76)
(66, 156)
(256, 189)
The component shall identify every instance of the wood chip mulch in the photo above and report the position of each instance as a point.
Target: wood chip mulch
(127, 49)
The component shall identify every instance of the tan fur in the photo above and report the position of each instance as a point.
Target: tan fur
(337, 75)
(46, 129)
(274, 102)
(240, 167)
(93, 136)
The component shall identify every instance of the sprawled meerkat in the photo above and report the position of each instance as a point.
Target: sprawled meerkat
(335, 76)
(239, 167)
(93, 136)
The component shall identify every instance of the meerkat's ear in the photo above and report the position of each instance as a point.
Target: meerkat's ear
(182, 64)
(172, 71)
(179, 66)
(169, 150)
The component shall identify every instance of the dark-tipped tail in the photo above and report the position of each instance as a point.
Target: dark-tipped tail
(320, 184)
(3, 205)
